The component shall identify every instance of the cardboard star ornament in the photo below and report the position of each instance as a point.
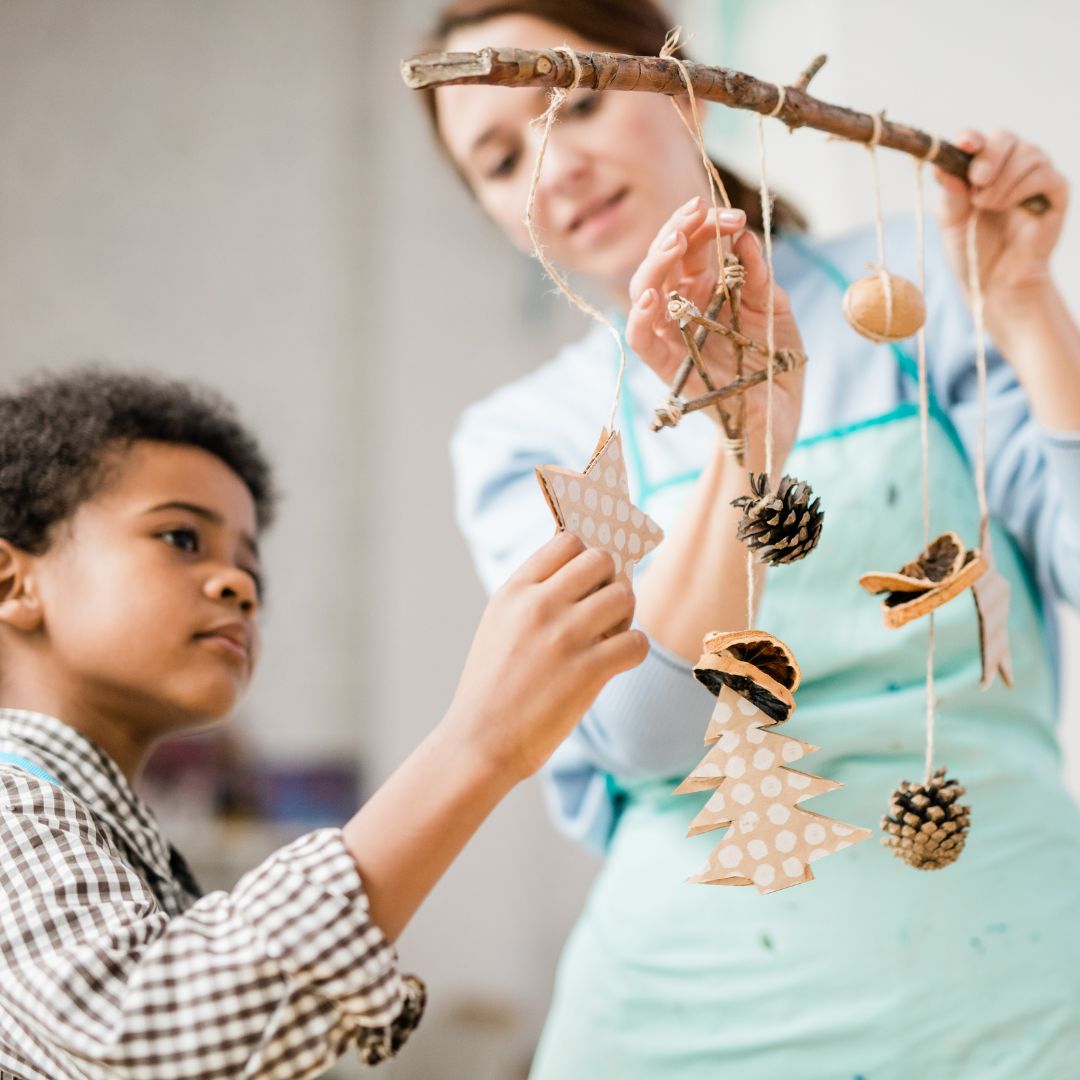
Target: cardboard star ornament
(595, 506)
(943, 570)
(991, 593)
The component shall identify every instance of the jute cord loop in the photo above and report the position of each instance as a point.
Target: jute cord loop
(547, 119)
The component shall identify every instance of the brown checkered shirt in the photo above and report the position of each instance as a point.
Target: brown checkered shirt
(112, 965)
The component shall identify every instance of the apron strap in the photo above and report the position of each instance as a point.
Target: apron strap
(30, 767)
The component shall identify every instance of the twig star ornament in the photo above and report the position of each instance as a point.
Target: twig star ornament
(595, 506)
(771, 841)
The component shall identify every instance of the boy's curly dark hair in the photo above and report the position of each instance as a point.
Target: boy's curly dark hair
(57, 431)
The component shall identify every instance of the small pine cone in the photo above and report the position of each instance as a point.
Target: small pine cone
(925, 826)
(780, 528)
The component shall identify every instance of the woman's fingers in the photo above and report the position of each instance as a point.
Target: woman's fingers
(751, 254)
(990, 161)
(652, 336)
(681, 250)
(667, 247)
(699, 260)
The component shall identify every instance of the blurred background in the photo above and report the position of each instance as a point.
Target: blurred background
(244, 192)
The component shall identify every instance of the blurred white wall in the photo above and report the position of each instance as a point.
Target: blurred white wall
(244, 191)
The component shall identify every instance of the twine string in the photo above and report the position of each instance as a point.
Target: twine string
(924, 439)
(547, 119)
(770, 297)
(879, 220)
(749, 590)
(781, 101)
(693, 126)
(975, 289)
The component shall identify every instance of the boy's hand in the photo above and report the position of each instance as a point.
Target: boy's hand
(549, 640)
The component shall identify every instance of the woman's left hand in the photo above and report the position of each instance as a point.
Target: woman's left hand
(1014, 244)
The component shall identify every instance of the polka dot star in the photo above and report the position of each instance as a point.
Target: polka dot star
(595, 506)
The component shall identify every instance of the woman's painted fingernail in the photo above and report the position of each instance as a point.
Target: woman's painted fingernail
(693, 205)
(731, 217)
(646, 299)
(670, 240)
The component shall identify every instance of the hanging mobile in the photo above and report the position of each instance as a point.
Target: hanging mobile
(770, 840)
(926, 826)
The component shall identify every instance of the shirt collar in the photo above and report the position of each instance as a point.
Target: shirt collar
(87, 773)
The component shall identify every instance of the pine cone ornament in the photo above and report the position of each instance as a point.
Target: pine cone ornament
(781, 528)
(927, 828)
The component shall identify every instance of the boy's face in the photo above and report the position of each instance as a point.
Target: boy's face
(149, 593)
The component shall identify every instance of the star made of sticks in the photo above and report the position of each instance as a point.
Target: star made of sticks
(595, 506)
(695, 328)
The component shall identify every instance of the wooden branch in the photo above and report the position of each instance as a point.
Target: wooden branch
(815, 65)
(736, 89)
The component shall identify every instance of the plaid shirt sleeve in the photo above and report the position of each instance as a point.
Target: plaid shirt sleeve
(276, 979)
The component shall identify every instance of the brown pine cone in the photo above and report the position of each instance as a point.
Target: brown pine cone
(927, 828)
(780, 528)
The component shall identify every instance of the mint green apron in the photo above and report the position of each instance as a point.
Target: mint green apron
(872, 970)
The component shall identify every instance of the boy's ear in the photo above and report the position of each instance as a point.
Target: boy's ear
(20, 606)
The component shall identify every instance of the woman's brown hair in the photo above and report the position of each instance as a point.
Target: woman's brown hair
(637, 27)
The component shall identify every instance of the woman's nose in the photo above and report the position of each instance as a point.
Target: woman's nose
(235, 585)
(566, 163)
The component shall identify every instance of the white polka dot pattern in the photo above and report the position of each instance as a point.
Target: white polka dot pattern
(773, 840)
(595, 506)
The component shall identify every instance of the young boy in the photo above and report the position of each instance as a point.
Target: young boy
(130, 510)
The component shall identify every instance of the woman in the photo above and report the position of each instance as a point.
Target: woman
(872, 969)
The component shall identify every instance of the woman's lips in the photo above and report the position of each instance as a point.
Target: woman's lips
(597, 217)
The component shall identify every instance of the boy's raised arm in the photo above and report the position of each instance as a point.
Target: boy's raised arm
(549, 640)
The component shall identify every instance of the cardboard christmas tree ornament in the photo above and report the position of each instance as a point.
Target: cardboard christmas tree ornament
(771, 841)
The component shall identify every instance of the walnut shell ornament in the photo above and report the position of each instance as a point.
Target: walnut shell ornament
(884, 308)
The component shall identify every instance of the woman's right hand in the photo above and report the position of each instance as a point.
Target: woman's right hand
(682, 258)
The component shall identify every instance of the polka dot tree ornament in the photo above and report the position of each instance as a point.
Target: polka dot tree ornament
(771, 841)
(595, 506)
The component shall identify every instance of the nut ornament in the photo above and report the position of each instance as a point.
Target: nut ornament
(884, 308)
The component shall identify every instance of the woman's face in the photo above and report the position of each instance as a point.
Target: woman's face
(616, 166)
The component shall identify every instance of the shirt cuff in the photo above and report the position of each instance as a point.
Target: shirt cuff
(1062, 449)
(307, 905)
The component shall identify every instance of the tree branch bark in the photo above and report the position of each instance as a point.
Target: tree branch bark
(654, 74)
